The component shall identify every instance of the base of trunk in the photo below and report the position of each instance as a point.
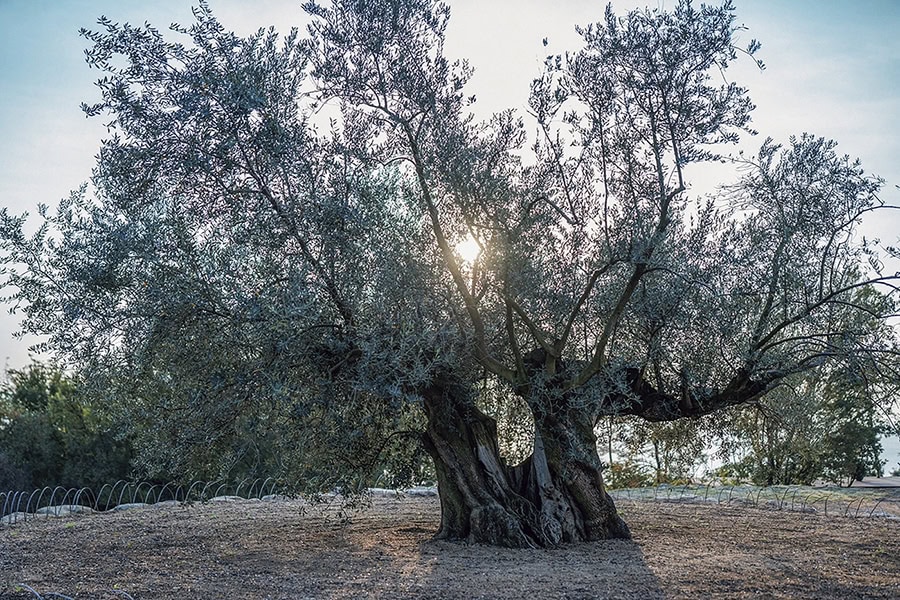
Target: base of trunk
(556, 496)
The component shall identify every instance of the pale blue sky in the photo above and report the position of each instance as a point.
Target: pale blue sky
(833, 70)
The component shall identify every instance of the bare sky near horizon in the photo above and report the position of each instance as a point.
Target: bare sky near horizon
(833, 69)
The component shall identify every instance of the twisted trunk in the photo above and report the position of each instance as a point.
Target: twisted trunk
(556, 496)
(567, 473)
(478, 504)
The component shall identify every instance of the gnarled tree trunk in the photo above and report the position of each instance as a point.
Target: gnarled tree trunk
(477, 502)
(565, 479)
(556, 496)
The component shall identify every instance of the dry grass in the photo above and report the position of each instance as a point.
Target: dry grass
(254, 549)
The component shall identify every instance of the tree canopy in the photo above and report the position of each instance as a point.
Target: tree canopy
(269, 263)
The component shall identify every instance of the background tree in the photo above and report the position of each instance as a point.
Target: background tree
(51, 434)
(641, 453)
(675, 449)
(777, 440)
(246, 266)
(822, 424)
(821, 428)
(851, 449)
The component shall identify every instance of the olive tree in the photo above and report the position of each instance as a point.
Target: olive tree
(274, 244)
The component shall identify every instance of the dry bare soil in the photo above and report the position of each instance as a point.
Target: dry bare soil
(285, 549)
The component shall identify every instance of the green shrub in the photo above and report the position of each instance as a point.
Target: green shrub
(53, 435)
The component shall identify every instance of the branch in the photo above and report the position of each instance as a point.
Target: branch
(514, 343)
(597, 360)
(532, 326)
(831, 297)
(481, 350)
(330, 287)
(592, 280)
(649, 403)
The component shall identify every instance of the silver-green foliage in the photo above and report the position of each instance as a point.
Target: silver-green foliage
(265, 268)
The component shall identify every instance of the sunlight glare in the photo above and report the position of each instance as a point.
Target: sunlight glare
(468, 250)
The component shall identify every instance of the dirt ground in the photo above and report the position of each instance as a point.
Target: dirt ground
(285, 549)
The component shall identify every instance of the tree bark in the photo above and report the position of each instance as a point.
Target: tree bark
(478, 505)
(556, 496)
(565, 479)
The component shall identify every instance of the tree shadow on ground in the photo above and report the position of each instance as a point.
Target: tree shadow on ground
(608, 569)
(286, 550)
